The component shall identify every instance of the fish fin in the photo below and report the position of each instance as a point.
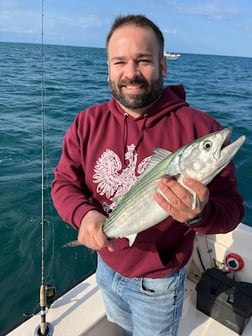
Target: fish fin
(159, 155)
(195, 199)
(131, 238)
(72, 243)
(197, 202)
(163, 195)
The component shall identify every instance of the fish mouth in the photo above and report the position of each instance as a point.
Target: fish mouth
(228, 149)
(227, 138)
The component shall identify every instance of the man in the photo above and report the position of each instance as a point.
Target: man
(105, 151)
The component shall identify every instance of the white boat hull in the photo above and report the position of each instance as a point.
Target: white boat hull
(80, 312)
(171, 56)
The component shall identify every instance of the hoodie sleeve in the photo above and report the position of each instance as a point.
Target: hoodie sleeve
(71, 196)
(224, 210)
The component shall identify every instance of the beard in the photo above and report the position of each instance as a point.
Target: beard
(151, 92)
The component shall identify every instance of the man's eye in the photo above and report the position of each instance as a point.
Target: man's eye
(144, 61)
(118, 63)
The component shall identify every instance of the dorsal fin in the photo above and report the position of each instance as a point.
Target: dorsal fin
(158, 155)
(162, 153)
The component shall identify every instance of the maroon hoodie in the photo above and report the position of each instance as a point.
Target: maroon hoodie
(105, 151)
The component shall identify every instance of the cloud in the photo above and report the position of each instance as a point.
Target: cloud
(79, 23)
(14, 19)
(90, 21)
(213, 10)
(246, 25)
(71, 30)
(170, 31)
(24, 23)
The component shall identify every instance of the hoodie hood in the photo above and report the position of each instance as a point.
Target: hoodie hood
(172, 98)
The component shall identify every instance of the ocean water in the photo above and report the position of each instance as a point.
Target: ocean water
(75, 78)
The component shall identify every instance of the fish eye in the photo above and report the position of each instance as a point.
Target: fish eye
(207, 145)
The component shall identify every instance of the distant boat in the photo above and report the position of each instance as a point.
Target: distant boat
(171, 56)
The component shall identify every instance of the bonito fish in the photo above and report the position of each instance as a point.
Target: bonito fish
(201, 159)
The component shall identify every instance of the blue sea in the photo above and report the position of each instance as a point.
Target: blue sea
(74, 78)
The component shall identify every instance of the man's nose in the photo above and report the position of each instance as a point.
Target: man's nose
(132, 69)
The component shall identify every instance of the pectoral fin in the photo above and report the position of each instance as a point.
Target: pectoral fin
(195, 200)
(131, 239)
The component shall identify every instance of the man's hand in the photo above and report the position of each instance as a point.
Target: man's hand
(177, 200)
(91, 234)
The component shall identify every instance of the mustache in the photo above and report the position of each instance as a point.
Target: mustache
(131, 81)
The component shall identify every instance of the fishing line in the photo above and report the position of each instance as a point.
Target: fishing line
(42, 152)
(44, 329)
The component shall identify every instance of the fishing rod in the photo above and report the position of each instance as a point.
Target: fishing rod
(45, 328)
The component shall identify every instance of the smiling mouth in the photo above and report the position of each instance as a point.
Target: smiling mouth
(134, 83)
(132, 89)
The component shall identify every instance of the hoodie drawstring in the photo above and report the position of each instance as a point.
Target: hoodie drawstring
(141, 134)
(125, 132)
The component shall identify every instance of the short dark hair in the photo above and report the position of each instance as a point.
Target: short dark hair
(140, 21)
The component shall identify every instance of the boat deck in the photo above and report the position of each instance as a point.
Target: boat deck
(80, 312)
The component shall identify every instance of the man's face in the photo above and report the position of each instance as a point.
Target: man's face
(135, 70)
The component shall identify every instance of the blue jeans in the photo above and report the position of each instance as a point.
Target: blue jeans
(142, 306)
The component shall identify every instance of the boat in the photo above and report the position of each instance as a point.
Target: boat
(214, 304)
(171, 56)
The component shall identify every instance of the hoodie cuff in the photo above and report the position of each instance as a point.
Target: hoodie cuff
(81, 212)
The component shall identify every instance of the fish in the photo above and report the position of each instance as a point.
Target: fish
(202, 160)
(72, 243)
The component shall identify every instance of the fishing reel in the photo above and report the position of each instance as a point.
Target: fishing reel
(50, 292)
(47, 295)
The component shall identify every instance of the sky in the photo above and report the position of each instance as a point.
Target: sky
(215, 27)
